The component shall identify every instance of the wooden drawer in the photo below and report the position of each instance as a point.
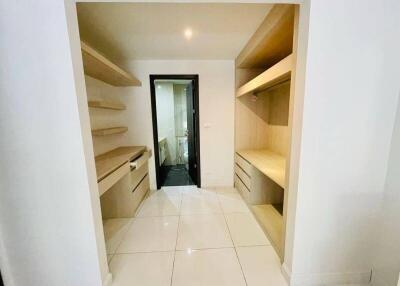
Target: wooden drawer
(242, 189)
(123, 199)
(243, 176)
(113, 178)
(139, 192)
(139, 162)
(137, 175)
(246, 166)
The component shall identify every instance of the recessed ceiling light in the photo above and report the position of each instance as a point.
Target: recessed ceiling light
(158, 86)
(188, 33)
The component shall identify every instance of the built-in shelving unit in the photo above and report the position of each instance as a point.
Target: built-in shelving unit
(109, 131)
(101, 68)
(106, 105)
(264, 90)
(276, 74)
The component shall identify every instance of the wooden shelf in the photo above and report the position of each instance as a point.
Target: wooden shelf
(272, 223)
(276, 74)
(109, 131)
(267, 162)
(272, 41)
(110, 161)
(99, 67)
(106, 105)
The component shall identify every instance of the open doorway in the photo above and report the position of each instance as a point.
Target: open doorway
(175, 113)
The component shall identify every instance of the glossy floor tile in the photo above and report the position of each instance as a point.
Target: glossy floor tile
(261, 266)
(202, 202)
(232, 203)
(192, 237)
(203, 231)
(211, 267)
(159, 205)
(225, 190)
(148, 234)
(245, 230)
(142, 269)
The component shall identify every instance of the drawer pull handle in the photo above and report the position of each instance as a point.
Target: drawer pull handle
(133, 165)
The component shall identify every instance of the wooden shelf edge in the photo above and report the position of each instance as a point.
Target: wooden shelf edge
(276, 74)
(109, 131)
(106, 105)
(101, 68)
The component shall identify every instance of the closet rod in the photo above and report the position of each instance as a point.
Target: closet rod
(271, 87)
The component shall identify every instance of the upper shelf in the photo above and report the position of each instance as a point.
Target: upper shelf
(267, 162)
(99, 67)
(272, 76)
(106, 105)
(272, 41)
(109, 131)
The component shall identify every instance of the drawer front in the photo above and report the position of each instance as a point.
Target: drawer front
(139, 193)
(242, 188)
(243, 176)
(113, 178)
(246, 166)
(137, 175)
(139, 162)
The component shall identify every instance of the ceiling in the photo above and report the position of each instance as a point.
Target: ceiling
(134, 31)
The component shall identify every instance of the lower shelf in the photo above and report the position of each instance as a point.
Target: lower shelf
(272, 223)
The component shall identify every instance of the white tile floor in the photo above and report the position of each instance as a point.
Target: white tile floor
(187, 236)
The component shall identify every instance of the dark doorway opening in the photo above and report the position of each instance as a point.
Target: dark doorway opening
(175, 114)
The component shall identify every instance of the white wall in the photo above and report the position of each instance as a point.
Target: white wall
(47, 200)
(350, 97)
(166, 119)
(386, 252)
(216, 87)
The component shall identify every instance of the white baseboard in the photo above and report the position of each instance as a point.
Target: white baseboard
(107, 281)
(295, 279)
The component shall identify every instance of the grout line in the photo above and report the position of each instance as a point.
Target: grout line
(179, 250)
(234, 247)
(176, 241)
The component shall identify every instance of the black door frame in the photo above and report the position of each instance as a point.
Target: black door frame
(195, 79)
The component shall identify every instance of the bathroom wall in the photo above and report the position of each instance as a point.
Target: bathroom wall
(180, 122)
(166, 118)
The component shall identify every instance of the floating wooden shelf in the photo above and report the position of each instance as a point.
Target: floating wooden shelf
(272, 41)
(109, 131)
(267, 162)
(99, 67)
(106, 105)
(272, 223)
(276, 74)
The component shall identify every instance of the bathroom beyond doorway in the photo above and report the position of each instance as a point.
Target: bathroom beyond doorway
(174, 100)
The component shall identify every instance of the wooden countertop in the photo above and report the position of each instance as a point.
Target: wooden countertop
(269, 163)
(108, 162)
